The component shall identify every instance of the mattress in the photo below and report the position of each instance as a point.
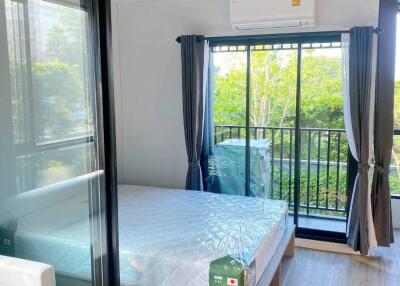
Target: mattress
(167, 237)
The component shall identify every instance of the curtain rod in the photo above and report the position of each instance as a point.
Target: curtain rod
(377, 30)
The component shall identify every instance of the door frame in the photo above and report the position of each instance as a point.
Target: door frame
(106, 268)
(292, 38)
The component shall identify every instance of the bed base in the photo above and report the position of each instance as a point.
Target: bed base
(272, 273)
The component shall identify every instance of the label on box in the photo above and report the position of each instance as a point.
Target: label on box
(229, 271)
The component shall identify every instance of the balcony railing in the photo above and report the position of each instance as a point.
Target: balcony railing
(324, 155)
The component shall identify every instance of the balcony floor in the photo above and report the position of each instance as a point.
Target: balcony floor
(321, 223)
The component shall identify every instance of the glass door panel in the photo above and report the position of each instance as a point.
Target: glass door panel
(324, 146)
(395, 165)
(282, 104)
(50, 143)
(226, 166)
(272, 121)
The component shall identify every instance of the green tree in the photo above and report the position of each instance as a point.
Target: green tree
(322, 92)
(273, 90)
(60, 79)
(230, 92)
(67, 40)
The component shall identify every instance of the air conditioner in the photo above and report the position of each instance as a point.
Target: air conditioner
(271, 14)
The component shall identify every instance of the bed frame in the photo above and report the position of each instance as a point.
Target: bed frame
(272, 273)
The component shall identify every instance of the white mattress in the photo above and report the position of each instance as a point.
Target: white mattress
(167, 237)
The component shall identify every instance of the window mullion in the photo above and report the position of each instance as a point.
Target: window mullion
(297, 162)
(247, 156)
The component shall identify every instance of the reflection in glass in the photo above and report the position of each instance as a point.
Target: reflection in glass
(50, 90)
(50, 169)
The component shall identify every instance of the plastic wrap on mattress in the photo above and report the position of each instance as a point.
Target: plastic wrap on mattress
(167, 237)
(182, 238)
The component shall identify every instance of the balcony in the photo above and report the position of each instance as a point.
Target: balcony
(323, 171)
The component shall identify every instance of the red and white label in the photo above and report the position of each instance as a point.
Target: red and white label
(232, 282)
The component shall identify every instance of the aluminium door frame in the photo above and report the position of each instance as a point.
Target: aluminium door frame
(106, 267)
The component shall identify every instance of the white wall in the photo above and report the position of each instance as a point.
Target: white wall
(150, 129)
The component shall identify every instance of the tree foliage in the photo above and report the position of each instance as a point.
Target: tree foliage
(58, 88)
(273, 90)
(60, 79)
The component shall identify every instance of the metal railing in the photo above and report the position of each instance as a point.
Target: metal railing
(323, 171)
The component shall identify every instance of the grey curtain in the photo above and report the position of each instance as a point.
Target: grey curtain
(360, 79)
(193, 58)
(384, 109)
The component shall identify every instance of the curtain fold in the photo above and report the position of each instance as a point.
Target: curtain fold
(194, 86)
(359, 106)
(384, 124)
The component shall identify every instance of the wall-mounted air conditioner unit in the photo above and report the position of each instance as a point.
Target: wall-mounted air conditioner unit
(271, 14)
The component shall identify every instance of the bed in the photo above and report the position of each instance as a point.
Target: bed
(167, 237)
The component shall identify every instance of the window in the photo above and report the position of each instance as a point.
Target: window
(279, 99)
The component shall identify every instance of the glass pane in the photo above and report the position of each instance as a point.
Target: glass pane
(395, 166)
(324, 145)
(272, 123)
(49, 153)
(226, 166)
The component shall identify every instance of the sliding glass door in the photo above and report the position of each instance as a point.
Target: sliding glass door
(52, 144)
(291, 125)
(395, 164)
(324, 146)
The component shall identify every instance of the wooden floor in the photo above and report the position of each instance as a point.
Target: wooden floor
(313, 268)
